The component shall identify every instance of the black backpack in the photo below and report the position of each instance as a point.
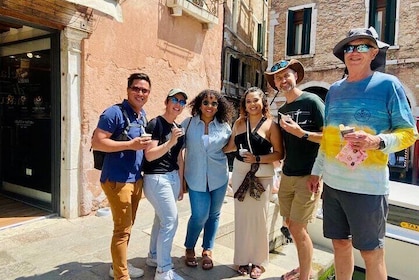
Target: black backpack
(99, 156)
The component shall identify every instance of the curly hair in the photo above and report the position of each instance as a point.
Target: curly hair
(225, 110)
(265, 109)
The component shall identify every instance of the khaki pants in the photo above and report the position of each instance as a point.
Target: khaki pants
(123, 200)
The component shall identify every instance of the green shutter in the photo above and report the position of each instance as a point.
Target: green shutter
(291, 34)
(306, 31)
(390, 27)
(372, 15)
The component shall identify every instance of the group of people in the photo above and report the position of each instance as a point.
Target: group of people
(347, 170)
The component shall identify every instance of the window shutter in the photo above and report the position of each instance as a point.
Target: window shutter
(372, 15)
(390, 21)
(291, 34)
(306, 31)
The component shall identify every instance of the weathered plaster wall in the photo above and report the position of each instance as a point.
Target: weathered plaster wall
(173, 51)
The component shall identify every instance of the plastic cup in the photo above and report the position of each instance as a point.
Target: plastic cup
(346, 130)
(146, 135)
(242, 152)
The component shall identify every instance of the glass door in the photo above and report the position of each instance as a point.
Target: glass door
(25, 119)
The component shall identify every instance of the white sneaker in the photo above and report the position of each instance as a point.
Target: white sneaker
(151, 262)
(134, 272)
(168, 275)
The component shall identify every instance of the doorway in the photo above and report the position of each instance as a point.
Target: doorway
(29, 115)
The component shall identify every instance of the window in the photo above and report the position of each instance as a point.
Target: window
(260, 41)
(234, 73)
(245, 73)
(299, 31)
(383, 17)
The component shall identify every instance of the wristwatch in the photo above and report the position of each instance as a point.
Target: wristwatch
(381, 145)
(257, 159)
(305, 136)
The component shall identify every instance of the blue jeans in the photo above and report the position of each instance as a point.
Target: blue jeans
(162, 191)
(205, 208)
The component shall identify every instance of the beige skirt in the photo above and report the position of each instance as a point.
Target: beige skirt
(251, 242)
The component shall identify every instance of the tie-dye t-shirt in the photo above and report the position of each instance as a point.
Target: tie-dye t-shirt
(376, 105)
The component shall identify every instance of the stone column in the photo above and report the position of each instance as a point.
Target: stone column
(71, 75)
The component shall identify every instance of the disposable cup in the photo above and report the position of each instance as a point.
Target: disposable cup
(242, 152)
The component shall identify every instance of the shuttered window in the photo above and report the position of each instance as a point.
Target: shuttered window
(383, 18)
(299, 31)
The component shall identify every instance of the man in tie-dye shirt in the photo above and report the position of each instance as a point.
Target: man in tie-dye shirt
(354, 167)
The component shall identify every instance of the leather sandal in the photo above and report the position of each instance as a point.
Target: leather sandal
(190, 259)
(256, 271)
(243, 270)
(207, 263)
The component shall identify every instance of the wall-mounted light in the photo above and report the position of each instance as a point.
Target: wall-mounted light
(29, 54)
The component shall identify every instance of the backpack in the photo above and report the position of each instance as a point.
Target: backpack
(99, 156)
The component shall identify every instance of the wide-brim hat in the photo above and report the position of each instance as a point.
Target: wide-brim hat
(358, 33)
(175, 91)
(281, 66)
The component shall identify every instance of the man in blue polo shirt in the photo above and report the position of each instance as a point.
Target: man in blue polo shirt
(121, 178)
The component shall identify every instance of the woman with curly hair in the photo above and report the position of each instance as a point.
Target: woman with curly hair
(257, 140)
(206, 170)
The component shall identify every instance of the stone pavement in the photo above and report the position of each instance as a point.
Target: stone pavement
(57, 248)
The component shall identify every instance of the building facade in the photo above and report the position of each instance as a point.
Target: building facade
(244, 46)
(308, 31)
(64, 62)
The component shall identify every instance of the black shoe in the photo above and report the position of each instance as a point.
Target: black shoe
(285, 231)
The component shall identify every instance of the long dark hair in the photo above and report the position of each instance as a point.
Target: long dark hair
(265, 110)
(225, 109)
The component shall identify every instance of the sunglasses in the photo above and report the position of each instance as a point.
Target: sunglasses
(176, 101)
(140, 89)
(207, 103)
(362, 48)
(279, 65)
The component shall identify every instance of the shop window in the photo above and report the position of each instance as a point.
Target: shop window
(299, 31)
(383, 18)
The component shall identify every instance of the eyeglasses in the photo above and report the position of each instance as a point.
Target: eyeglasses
(207, 103)
(140, 89)
(176, 101)
(279, 65)
(362, 48)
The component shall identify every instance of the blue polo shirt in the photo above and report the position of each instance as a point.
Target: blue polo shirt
(123, 166)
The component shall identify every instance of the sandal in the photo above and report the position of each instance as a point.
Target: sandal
(243, 270)
(293, 274)
(190, 259)
(207, 263)
(256, 271)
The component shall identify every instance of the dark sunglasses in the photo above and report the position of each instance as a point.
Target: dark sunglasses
(207, 103)
(176, 101)
(362, 48)
(140, 89)
(279, 65)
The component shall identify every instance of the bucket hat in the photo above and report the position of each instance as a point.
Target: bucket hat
(175, 91)
(358, 33)
(281, 66)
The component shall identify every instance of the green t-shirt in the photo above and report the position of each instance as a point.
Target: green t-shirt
(308, 111)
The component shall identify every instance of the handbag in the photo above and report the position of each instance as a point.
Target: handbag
(265, 170)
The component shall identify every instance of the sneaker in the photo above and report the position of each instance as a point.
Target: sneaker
(151, 262)
(167, 275)
(134, 272)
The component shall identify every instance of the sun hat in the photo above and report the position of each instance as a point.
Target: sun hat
(175, 91)
(281, 66)
(358, 33)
